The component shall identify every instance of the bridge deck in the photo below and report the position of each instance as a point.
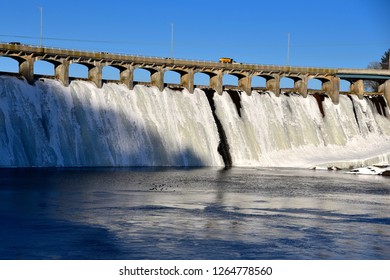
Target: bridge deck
(121, 58)
(95, 61)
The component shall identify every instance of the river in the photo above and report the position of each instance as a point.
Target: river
(193, 213)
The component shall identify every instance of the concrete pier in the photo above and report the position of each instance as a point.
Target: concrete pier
(273, 83)
(300, 84)
(187, 80)
(385, 89)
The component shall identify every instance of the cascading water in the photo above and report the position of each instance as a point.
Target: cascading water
(291, 131)
(80, 125)
(48, 124)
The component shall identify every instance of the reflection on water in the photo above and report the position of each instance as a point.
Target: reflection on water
(193, 214)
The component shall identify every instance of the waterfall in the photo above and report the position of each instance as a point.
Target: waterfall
(81, 125)
(48, 124)
(291, 131)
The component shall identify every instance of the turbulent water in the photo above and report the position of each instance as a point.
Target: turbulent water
(47, 124)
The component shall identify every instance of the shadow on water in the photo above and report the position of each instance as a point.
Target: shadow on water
(43, 238)
(31, 208)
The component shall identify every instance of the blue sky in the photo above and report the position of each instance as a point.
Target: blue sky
(322, 33)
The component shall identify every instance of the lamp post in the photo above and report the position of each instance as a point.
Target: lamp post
(288, 49)
(171, 40)
(40, 37)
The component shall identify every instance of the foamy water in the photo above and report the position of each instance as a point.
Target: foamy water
(48, 124)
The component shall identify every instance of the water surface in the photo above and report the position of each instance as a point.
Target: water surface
(207, 213)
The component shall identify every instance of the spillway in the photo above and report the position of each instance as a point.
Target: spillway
(50, 125)
(291, 131)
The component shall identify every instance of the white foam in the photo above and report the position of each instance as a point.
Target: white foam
(51, 125)
(370, 170)
(289, 131)
(81, 125)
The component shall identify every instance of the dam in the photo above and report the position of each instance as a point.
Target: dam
(64, 122)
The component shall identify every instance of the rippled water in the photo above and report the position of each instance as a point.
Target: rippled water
(193, 214)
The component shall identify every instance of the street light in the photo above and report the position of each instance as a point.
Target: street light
(171, 40)
(40, 37)
(288, 49)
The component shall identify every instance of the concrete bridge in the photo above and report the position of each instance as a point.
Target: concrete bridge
(95, 61)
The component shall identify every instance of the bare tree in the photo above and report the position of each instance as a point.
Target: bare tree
(385, 60)
(383, 64)
(372, 86)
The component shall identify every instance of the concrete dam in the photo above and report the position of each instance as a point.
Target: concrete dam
(64, 122)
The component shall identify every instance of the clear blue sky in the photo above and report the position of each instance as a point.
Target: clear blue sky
(332, 33)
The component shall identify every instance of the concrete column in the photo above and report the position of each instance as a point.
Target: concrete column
(300, 85)
(273, 84)
(245, 84)
(332, 89)
(187, 80)
(216, 81)
(386, 92)
(157, 77)
(61, 72)
(26, 68)
(357, 87)
(95, 74)
(127, 76)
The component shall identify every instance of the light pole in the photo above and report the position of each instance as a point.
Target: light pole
(171, 40)
(40, 37)
(288, 49)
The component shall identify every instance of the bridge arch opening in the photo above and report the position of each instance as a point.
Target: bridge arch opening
(172, 77)
(201, 79)
(141, 75)
(286, 84)
(110, 73)
(371, 86)
(44, 68)
(314, 84)
(77, 70)
(345, 85)
(9, 64)
(230, 80)
(259, 83)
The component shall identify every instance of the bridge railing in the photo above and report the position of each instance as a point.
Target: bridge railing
(162, 60)
(167, 61)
